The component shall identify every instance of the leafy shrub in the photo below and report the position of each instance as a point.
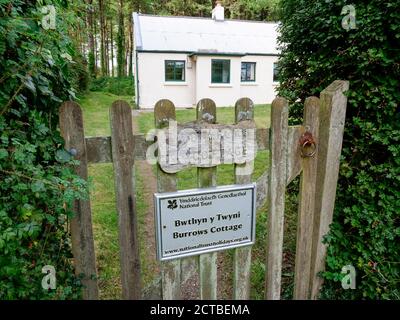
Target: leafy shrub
(317, 50)
(123, 86)
(79, 73)
(37, 183)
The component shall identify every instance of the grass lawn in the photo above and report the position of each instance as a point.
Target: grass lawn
(96, 118)
(225, 115)
(95, 106)
(95, 112)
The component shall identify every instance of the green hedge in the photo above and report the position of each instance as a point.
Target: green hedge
(37, 185)
(123, 86)
(317, 50)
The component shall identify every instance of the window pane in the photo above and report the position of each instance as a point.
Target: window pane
(225, 71)
(174, 70)
(220, 71)
(252, 72)
(169, 70)
(248, 71)
(243, 73)
(216, 75)
(179, 71)
(275, 72)
(169, 75)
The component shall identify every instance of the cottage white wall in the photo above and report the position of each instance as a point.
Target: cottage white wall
(153, 87)
(263, 90)
(197, 84)
(223, 94)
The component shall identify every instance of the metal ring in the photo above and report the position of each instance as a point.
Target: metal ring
(309, 154)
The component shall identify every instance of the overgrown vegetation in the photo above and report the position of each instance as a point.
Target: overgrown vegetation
(123, 86)
(259, 10)
(317, 50)
(37, 183)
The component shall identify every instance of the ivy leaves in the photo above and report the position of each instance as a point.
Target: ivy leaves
(38, 184)
(315, 51)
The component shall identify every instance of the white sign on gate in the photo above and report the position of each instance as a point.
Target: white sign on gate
(192, 222)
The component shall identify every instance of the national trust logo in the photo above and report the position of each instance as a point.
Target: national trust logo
(172, 204)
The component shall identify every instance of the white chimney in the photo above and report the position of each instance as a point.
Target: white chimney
(218, 12)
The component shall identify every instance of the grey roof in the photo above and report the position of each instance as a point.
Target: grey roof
(189, 34)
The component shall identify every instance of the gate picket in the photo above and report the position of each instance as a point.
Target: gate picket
(323, 117)
(244, 111)
(331, 127)
(306, 204)
(276, 197)
(122, 143)
(71, 127)
(164, 111)
(207, 177)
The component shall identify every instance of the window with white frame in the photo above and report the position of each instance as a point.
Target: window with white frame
(248, 72)
(220, 71)
(174, 70)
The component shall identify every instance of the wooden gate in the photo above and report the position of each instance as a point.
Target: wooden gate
(321, 134)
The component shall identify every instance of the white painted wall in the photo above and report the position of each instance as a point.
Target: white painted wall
(223, 94)
(152, 85)
(263, 89)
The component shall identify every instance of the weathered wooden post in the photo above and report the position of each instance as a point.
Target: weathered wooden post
(164, 111)
(244, 111)
(276, 197)
(331, 127)
(207, 177)
(307, 201)
(122, 144)
(71, 127)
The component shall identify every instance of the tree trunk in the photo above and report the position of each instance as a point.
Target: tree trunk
(102, 38)
(90, 27)
(112, 47)
(106, 39)
(130, 28)
(95, 46)
(120, 41)
(127, 45)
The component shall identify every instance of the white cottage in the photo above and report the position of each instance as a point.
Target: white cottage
(185, 59)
